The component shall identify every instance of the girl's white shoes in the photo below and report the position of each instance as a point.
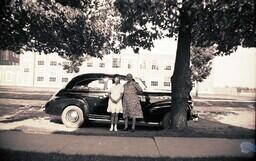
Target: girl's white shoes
(113, 128)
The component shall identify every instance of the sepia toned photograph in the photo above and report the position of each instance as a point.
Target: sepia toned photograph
(127, 80)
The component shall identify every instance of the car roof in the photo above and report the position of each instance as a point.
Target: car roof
(91, 75)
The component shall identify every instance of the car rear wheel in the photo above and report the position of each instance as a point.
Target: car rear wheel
(72, 117)
(166, 122)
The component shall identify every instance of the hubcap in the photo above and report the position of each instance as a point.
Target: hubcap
(72, 116)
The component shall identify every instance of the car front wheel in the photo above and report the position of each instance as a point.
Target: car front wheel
(72, 117)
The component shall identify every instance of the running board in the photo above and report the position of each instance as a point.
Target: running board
(105, 118)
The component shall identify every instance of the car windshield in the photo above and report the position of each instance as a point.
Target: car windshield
(141, 83)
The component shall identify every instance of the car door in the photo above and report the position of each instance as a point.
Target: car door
(94, 91)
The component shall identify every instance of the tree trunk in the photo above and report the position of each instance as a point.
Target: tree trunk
(197, 89)
(181, 81)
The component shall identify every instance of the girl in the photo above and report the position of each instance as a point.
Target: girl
(115, 102)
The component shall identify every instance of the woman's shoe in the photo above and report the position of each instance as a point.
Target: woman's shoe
(125, 129)
(133, 130)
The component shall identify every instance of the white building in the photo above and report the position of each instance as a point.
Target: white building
(47, 70)
(155, 67)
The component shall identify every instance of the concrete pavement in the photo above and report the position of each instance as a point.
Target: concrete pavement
(124, 146)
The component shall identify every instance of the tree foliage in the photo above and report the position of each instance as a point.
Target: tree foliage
(201, 64)
(226, 24)
(71, 28)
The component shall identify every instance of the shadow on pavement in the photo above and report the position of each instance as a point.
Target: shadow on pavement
(202, 128)
(20, 113)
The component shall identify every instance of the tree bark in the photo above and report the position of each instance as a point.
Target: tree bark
(181, 81)
(197, 86)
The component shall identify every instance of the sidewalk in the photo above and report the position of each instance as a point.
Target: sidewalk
(124, 146)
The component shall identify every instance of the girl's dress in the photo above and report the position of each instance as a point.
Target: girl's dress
(115, 92)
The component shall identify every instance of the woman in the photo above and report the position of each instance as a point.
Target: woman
(115, 102)
(131, 102)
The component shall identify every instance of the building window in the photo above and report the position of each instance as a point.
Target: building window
(168, 67)
(40, 62)
(154, 67)
(53, 63)
(89, 64)
(26, 70)
(129, 66)
(40, 79)
(102, 65)
(64, 80)
(52, 79)
(8, 57)
(154, 83)
(65, 63)
(167, 84)
(116, 63)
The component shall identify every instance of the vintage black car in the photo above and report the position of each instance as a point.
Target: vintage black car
(85, 98)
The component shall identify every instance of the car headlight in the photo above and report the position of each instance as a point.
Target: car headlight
(43, 108)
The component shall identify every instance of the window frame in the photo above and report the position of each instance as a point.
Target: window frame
(169, 84)
(37, 78)
(152, 83)
(40, 62)
(54, 78)
(89, 64)
(154, 67)
(168, 67)
(53, 63)
(100, 65)
(26, 70)
(63, 79)
(117, 63)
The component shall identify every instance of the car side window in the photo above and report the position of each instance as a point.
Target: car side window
(110, 83)
(90, 84)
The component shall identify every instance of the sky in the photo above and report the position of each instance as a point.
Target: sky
(236, 70)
